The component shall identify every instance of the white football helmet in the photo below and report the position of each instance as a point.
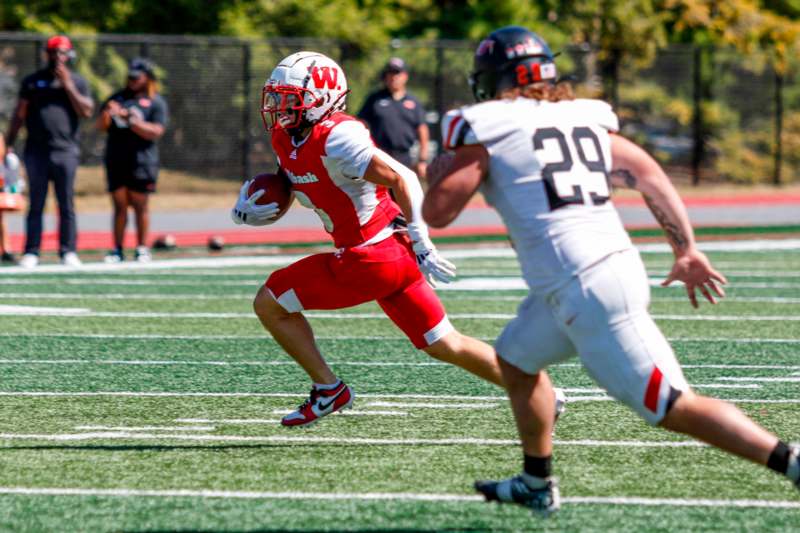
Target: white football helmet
(303, 89)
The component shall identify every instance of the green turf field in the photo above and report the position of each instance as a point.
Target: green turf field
(148, 400)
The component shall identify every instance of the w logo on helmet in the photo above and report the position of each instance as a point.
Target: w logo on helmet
(325, 77)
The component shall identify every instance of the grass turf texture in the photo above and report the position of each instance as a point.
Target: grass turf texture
(231, 354)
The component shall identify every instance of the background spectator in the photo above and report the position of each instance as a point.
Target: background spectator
(396, 119)
(51, 103)
(135, 117)
(5, 252)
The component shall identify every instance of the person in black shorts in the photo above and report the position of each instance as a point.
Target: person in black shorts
(396, 119)
(51, 103)
(135, 118)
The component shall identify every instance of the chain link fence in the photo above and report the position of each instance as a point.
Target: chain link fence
(707, 115)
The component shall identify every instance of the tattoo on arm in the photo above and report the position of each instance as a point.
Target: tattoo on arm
(673, 231)
(625, 174)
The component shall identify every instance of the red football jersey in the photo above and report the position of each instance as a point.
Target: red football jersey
(326, 171)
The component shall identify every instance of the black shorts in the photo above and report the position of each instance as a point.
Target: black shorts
(137, 180)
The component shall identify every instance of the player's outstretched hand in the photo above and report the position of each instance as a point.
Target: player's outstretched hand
(433, 266)
(695, 271)
(246, 211)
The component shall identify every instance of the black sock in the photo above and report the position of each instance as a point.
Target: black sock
(538, 466)
(779, 458)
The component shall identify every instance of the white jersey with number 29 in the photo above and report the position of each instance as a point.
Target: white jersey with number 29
(548, 179)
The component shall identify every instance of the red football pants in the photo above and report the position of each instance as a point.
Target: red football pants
(386, 272)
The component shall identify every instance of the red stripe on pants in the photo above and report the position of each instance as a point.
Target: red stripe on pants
(651, 396)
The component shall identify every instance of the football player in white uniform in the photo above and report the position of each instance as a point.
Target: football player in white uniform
(544, 160)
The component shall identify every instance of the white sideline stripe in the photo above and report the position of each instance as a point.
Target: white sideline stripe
(379, 496)
(145, 428)
(130, 282)
(766, 380)
(124, 435)
(734, 340)
(725, 318)
(17, 310)
(727, 385)
(162, 394)
(229, 420)
(124, 296)
(210, 262)
(265, 337)
(157, 362)
(484, 283)
(86, 313)
(46, 394)
(248, 297)
(759, 245)
(680, 502)
(433, 405)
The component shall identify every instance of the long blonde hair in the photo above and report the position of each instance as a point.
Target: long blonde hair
(550, 92)
(152, 87)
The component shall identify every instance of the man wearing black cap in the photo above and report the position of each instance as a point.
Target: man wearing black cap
(51, 103)
(135, 118)
(396, 119)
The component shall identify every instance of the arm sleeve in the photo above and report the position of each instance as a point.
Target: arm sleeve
(417, 229)
(82, 85)
(456, 131)
(420, 114)
(160, 111)
(351, 147)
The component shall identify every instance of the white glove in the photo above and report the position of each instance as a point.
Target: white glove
(433, 266)
(248, 212)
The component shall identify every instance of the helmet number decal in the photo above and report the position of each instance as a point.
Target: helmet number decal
(565, 181)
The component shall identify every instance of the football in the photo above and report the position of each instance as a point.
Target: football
(276, 187)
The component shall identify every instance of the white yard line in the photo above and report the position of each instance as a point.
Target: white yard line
(417, 405)
(161, 362)
(219, 421)
(389, 397)
(778, 300)
(30, 310)
(13, 310)
(760, 245)
(265, 337)
(763, 379)
(145, 428)
(123, 296)
(467, 441)
(164, 394)
(383, 496)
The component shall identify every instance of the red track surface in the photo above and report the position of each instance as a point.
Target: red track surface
(93, 240)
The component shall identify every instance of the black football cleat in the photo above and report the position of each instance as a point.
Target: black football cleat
(543, 502)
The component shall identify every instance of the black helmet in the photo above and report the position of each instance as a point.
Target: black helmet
(510, 57)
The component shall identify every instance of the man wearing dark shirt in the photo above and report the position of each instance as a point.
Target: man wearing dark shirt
(51, 103)
(396, 119)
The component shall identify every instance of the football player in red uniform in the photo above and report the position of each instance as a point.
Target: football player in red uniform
(383, 251)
